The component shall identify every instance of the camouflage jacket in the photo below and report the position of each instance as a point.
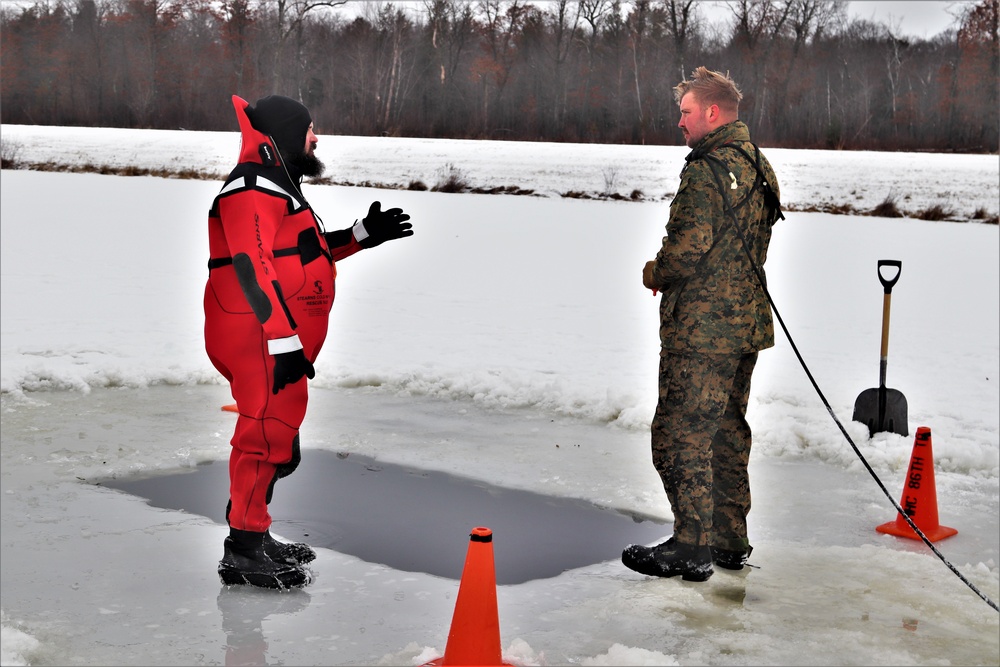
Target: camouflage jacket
(712, 301)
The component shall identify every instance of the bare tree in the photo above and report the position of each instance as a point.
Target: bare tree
(638, 23)
(596, 14)
(757, 28)
(451, 23)
(146, 26)
(594, 70)
(392, 64)
(237, 23)
(289, 19)
(449, 36)
(89, 51)
(978, 65)
(807, 19)
(502, 21)
(682, 20)
(562, 21)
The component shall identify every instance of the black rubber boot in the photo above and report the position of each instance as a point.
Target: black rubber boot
(731, 560)
(296, 553)
(245, 562)
(292, 553)
(692, 563)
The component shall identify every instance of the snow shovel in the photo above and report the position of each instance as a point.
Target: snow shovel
(882, 409)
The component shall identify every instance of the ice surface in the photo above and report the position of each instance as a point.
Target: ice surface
(504, 327)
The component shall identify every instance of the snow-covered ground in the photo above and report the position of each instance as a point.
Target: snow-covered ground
(506, 326)
(810, 179)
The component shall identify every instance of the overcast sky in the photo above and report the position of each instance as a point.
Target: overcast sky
(921, 18)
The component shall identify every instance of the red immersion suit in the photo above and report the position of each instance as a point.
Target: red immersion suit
(270, 290)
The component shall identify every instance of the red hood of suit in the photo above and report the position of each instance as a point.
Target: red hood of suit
(252, 138)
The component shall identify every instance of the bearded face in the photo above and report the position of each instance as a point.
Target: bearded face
(308, 164)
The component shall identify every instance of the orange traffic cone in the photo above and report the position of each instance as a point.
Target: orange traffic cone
(919, 499)
(230, 408)
(474, 638)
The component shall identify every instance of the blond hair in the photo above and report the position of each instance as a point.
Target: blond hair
(710, 88)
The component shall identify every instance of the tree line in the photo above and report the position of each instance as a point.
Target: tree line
(538, 70)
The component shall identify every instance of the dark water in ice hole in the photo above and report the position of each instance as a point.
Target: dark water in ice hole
(412, 519)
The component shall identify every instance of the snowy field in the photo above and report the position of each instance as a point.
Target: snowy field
(509, 341)
(812, 180)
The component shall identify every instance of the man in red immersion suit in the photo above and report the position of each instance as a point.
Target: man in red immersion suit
(267, 304)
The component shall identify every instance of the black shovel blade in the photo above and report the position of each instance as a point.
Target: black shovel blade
(882, 410)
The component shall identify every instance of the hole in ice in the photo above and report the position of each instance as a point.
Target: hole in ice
(412, 519)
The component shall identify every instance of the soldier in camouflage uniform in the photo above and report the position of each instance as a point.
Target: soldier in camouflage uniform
(714, 317)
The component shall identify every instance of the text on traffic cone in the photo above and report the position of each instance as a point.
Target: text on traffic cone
(919, 499)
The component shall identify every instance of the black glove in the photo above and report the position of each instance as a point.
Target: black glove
(289, 367)
(382, 226)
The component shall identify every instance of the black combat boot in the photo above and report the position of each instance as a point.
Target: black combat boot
(669, 559)
(731, 560)
(293, 553)
(245, 561)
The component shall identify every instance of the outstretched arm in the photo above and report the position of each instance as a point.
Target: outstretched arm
(377, 227)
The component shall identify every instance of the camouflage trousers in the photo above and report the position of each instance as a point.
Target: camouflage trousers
(701, 445)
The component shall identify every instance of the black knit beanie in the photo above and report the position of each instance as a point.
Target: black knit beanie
(286, 120)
